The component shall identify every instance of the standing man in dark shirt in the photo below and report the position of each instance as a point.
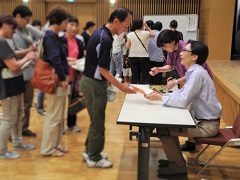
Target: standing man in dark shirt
(94, 84)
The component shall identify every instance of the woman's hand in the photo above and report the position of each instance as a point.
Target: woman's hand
(154, 96)
(71, 61)
(154, 71)
(145, 25)
(64, 85)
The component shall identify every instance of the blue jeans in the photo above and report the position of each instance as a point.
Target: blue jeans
(116, 63)
(40, 99)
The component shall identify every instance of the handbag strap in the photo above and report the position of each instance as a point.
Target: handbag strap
(40, 47)
(73, 84)
(140, 41)
(127, 52)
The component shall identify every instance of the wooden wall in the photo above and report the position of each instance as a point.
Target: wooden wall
(7, 6)
(227, 84)
(86, 10)
(160, 7)
(216, 26)
(215, 22)
(99, 10)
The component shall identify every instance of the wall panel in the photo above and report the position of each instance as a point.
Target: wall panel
(84, 11)
(216, 26)
(7, 6)
(38, 9)
(103, 11)
(160, 7)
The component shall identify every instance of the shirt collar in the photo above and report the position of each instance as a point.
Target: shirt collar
(108, 31)
(190, 71)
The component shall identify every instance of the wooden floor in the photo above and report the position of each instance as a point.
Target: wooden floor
(121, 151)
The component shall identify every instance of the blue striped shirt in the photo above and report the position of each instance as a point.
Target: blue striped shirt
(198, 92)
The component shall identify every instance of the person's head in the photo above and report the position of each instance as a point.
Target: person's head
(157, 26)
(150, 24)
(72, 26)
(168, 40)
(195, 52)
(90, 27)
(137, 24)
(59, 17)
(37, 24)
(120, 20)
(173, 25)
(7, 25)
(23, 15)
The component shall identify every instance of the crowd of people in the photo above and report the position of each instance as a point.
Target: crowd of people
(150, 52)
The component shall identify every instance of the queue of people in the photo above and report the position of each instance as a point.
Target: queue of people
(19, 42)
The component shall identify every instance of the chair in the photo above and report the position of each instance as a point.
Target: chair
(228, 137)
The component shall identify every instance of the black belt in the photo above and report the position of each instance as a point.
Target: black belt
(218, 119)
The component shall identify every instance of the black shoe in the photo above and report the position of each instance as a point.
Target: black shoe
(42, 111)
(10, 139)
(163, 163)
(29, 133)
(188, 146)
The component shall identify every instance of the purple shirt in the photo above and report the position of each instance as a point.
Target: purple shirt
(174, 59)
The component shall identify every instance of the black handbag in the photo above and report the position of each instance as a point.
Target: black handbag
(126, 61)
(76, 105)
(76, 100)
(174, 74)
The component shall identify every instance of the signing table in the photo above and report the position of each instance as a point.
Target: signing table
(138, 111)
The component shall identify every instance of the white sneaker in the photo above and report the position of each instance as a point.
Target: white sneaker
(74, 129)
(9, 155)
(22, 146)
(85, 156)
(102, 163)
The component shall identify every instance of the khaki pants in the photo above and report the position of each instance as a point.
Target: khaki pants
(53, 124)
(170, 141)
(12, 108)
(28, 99)
(95, 96)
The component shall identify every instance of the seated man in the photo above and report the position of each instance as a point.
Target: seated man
(200, 94)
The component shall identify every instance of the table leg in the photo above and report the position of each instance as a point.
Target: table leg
(143, 153)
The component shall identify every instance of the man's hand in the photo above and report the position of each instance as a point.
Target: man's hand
(32, 47)
(127, 89)
(170, 85)
(154, 96)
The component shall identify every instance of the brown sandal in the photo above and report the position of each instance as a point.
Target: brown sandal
(57, 153)
(63, 149)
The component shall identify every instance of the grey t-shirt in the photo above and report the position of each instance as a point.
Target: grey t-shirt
(11, 83)
(23, 38)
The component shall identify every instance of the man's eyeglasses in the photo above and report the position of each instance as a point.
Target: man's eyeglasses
(27, 18)
(185, 50)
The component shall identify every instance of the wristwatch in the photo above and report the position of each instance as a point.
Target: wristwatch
(176, 82)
